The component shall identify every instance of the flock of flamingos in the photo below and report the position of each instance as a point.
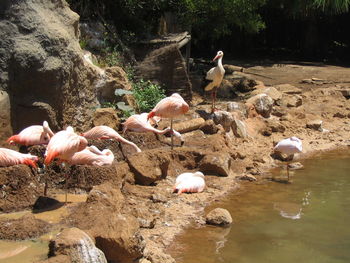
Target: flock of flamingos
(72, 148)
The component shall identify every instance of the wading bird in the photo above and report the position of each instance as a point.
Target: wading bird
(63, 145)
(92, 156)
(32, 135)
(170, 107)
(189, 183)
(10, 157)
(105, 132)
(215, 75)
(289, 146)
(139, 123)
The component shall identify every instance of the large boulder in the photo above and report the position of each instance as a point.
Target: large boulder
(263, 104)
(101, 217)
(219, 216)
(77, 245)
(42, 66)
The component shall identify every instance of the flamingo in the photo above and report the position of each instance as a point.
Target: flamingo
(92, 156)
(170, 107)
(10, 157)
(189, 183)
(139, 123)
(32, 135)
(215, 74)
(289, 146)
(63, 145)
(105, 132)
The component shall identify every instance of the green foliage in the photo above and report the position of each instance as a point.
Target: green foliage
(147, 95)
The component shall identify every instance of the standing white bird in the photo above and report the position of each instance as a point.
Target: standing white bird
(216, 75)
(189, 183)
(289, 146)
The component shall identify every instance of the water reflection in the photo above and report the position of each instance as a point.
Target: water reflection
(304, 221)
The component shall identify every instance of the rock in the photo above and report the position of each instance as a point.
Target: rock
(46, 59)
(166, 66)
(190, 125)
(263, 104)
(144, 260)
(19, 188)
(315, 125)
(115, 234)
(239, 128)
(209, 127)
(76, 244)
(247, 177)
(106, 116)
(288, 89)
(345, 92)
(291, 100)
(238, 107)
(279, 111)
(218, 163)
(226, 89)
(275, 126)
(149, 166)
(5, 118)
(229, 69)
(195, 133)
(295, 166)
(270, 91)
(219, 217)
(115, 78)
(25, 227)
(224, 118)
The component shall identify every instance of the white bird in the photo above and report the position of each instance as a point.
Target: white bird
(289, 146)
(189, 183)
(216, 75)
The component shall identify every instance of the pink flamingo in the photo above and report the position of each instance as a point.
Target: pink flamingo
(216, 75)
(63, 145)
(105, 132)
(189, 183)
(10, 157)
(139, 123)
(92, 156)
(170, 107)
(289, 146)
(32, 135)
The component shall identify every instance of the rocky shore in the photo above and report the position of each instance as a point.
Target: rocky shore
(131, 212)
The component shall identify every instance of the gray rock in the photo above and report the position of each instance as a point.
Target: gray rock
(288, 89)
(291, 100)
(239, 128)
(270, 91)
(46, 59)
(76, 244)
(219, 216)
(224, 118)
(263, 104)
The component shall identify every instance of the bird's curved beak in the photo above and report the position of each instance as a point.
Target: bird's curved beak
(216, 57)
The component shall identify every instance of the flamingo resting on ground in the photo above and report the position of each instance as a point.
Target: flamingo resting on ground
(92, 156)
(105, 132)
(63, 145)
(189, 183)
(289, 146)
(139, 123)
(215, 74)
(10, 157)
(170, 107)
(32, 135)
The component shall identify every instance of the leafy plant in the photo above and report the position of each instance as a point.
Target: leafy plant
(147, 95)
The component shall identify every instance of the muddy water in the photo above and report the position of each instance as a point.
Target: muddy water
(305, 221)
(36, 250)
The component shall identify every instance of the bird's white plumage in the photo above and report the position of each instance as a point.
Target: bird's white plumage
(289, 146)
(190, 182)
(216, 74)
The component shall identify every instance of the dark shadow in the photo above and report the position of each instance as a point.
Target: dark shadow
(205, 115)
(44, 203)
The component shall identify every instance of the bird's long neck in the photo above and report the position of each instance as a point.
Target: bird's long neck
(220, 63)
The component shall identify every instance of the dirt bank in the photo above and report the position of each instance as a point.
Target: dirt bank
(131, 211)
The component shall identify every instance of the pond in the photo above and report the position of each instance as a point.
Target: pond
(304, 221)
